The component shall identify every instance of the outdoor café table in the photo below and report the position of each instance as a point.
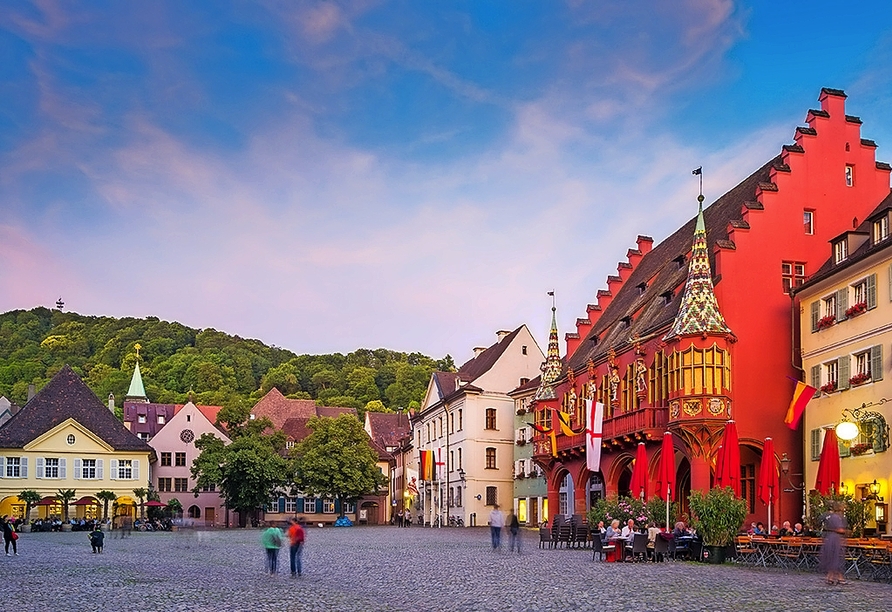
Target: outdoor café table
(767, 551)
(619, 550)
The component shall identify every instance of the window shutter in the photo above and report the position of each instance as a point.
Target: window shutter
(77, 469)
(842, 372)
(62, 474)
(816, 377)
(815, 315)
(815, 444)
(890, 282)
(136, 469)
(99, 469)
(24, 471)
(842, 303)
(39, 473)
(871, 283)
(281, 505)
(844, 449)
(2, 467)
(113, 466)
(876, 362)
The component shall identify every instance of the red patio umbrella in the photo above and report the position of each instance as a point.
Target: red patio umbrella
(728, 463)
(86, 500)
(155, 504)
(639, 473)
(768, 478)
(828, 468)
(48, 501)
(666, 474)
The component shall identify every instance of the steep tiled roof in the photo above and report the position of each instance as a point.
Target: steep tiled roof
(334, 411)
(388, 428)
(663, 270)
(296, 428)
(67, 397)
(445, 382)
(278, 408)
(480, 365)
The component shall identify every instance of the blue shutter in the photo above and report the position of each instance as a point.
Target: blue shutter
(871, 286)
(136, 469)
(843, 369)
(815, 315)
(113, 469)
(876, 362)
(77, 469)
(2, 467)
(281, 505)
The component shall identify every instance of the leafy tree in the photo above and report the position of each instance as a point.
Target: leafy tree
(141, 494)
(174, 507)
(246, 472)
(337, 461)
(30, 497)
(106, 496)
(65, 496)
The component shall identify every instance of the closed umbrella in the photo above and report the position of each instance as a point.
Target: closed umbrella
(639, 473)
(828, 468)
(666, 474)
(728, 465)
(768, 478)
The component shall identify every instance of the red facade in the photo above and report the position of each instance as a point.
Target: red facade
(759, 242)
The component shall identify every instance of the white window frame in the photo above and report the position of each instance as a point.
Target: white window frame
(828, 306)
(51, 467)
(13, 467)
(881, 229)
(125, 469)
(309, 505)
(88, 469)
(328, 505)
(831, 372)
(141, 418)
(862, 363)
(808, 222)
(291, 505)
(840, 251)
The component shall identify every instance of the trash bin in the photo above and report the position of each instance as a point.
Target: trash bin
(472, 520)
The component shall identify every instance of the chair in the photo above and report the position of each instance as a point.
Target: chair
(746, 552)
(637, 550)
(599, 548)
(580, 537)
(545, 537)
(564, 533)
(661, 548)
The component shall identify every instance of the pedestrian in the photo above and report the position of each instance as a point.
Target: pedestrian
(514, 530)
(271, 539)
(9, 535)
(126, 526)
(96, 538)
(296, 537)
(496, 522)
(833, 549)
(408, 518)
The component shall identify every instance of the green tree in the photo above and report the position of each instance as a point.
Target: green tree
(337, 461)
(246, 472)
(106, 496)
(65, 496)
(174, 507)
(30, 497)
(141, 494)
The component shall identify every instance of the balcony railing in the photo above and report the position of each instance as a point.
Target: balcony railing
(644, 420)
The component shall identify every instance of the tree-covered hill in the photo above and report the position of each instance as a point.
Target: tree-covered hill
(218, 369)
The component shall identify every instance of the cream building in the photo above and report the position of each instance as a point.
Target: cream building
(66, 438)
(467, 420)
(846, 341)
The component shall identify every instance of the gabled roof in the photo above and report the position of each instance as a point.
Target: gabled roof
(278, 408)
(664, 270)
(388, 428)
(67, 397)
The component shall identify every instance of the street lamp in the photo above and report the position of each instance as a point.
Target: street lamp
(848, 428)
(785, 470)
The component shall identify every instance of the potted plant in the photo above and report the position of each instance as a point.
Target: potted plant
(856, 309)
(106, 496)
(860, 449)
(825, 322)
(859, 378)
(30, 497)
(830, 387)
(65, 497)
(717, 517)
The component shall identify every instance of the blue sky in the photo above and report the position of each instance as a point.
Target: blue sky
(332, 175)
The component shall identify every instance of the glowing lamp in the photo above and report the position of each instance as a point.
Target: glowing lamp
(846, 430)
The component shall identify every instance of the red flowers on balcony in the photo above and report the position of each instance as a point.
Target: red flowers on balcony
(858, 379)
(829, 387)
(825, 322)
(856, 309)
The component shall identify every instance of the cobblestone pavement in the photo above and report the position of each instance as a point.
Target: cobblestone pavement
(386, 568)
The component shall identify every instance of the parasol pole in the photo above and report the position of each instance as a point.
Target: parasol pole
(668, 493)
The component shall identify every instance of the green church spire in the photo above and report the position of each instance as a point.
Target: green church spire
(137, 391)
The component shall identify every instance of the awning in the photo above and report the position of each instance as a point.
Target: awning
(86, 501)
(155, 504)
(48, 501)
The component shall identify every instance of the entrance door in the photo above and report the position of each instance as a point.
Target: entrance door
(534, 511)
(210, 515)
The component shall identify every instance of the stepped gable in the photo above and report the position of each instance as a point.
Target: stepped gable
(664, 269)
(388, 428)
(65, 397)
(866, 249)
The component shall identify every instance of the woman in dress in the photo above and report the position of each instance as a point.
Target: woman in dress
(833, 550)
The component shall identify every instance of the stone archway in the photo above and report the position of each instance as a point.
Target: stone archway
(369, 510)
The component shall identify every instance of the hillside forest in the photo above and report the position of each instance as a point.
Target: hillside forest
(209, 367)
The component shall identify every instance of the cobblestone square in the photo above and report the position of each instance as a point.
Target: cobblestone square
(386, 568)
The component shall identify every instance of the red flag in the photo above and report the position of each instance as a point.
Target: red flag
(801, 396)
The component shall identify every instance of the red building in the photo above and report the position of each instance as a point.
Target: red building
(685, 338)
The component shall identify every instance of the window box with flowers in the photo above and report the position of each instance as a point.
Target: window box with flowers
(860, 449)
(829, 387)
(859, 379)
(825, 322)
(856, 309)
(521, 442)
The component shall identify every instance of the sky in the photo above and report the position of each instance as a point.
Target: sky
(330, 175)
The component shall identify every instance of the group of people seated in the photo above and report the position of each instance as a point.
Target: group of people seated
(758, 529)
(54, 523)
(623, 537)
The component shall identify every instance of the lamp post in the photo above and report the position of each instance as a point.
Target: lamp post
(785, 470)
(849, 426)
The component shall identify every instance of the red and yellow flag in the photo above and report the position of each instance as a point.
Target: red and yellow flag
(801, 397)
(426, 465)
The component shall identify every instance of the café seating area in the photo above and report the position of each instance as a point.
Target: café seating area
(865, 558)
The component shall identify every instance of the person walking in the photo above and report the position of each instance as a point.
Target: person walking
(271, 539)
(833, 549)
(296, 537)
(514, 530)
(9, 535)
(496, 522)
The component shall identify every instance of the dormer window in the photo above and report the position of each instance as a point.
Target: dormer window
(642, 287)
(626, 321)
(840, 251)
(679, 261)
(666, 297)
(881, 229)
(141, 418)
(850, 176)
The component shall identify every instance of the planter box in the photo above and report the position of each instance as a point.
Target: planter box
(66, 526)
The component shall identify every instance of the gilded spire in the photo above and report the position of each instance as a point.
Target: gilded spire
(699, 312)
(551, 369)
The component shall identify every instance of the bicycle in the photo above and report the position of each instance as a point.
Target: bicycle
(456, 521)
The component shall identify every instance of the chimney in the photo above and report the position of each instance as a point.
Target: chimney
(501, 334)
(111, 402)
(478, 350)
(31, 391)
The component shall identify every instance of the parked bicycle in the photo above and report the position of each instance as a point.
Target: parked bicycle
(456, 521)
